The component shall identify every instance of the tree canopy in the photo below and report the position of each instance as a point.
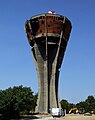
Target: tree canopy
(16, 100)
(84, 106)
(66, 105)
(88, 105)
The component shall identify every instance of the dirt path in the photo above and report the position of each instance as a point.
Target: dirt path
(78, 117)
(67, 117)
(71, 117)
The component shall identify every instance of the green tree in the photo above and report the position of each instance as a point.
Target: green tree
(15, 100)
(66, 105)
(90, 103)
(35, 97)
(82, 106)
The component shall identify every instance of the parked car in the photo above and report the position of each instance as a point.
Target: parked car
(57, 112)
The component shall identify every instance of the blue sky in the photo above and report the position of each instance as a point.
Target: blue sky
(77, 76)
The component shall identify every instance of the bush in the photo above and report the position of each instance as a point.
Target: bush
(15, 100)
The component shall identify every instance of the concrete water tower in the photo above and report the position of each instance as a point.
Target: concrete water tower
(48, 36)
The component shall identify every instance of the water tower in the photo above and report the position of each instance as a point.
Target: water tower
(48, 36)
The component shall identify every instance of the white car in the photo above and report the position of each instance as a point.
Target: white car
(57, 112)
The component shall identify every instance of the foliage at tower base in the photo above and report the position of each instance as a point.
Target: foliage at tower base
(15, 101)
(66, 105)
(84, 106)
(88, 105)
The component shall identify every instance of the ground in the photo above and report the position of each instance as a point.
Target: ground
(66, 117)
